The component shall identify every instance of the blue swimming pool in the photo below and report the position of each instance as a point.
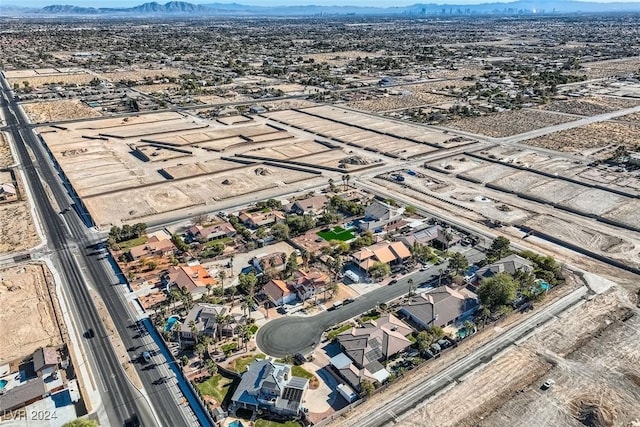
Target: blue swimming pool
(3, 383)
(236, 423)
(171, 321)
(544, 285)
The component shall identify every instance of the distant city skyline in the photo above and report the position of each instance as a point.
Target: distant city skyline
(368, 3)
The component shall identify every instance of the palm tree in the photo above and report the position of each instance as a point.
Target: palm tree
(337, 266)
(331, 185)
(222, 275)
(410, 281)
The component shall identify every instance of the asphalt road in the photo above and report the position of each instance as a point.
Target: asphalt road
(291, 334)
(413, 396)
(67, 239)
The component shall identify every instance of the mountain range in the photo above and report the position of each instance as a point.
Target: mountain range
(181, 8)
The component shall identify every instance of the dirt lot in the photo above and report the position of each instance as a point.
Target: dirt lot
(54, 79)
(591, 105)
(616, 67)
(137, 75)
(564, 350)
(6, 158)
(635, 117)
(17, 232)
(405, 99)
(51, 111)
(597, 139)
(27, 319)
(509, 123)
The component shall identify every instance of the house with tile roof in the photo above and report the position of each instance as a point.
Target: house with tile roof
(153, 247)
(207, 319)
(384, 252)
(509, 264)
(308, 284)
(365, 347)
(440, 307)
(211, 232)
(310, 206)
(193, 278)
(270, 386)
(279, 292)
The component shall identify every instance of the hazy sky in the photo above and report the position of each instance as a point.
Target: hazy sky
(381, 3)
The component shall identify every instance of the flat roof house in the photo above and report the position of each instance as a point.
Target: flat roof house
(270, 386)
(440, 307)
(378, 214)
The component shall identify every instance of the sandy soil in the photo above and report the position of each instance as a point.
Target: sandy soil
(162, 87)
(634, 117)
(54, 79)
(508, 123)
(52, 111)
(137, 75)
(27, 319)
(17, 231)
(596, 139)
(6, 158)
(405, 99)
(616, 67)
(591, 105)
(485, 390)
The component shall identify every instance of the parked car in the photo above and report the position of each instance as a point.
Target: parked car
(299, 359)
(393, 282)
(348, 301)
(547, 384)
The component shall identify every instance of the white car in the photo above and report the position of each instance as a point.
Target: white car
(548, 384)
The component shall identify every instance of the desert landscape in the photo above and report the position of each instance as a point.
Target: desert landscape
(26, 293)
(51, 111)
(508, 123)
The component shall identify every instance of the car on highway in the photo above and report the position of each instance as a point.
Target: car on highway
(145, 356)
(90, 333)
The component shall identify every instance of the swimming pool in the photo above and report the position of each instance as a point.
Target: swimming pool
(236, 423)
(171, 321)
(3, 383)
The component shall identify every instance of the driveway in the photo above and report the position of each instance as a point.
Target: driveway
(294, 334)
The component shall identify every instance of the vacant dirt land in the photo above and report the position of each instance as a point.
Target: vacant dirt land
(17, 231)
(27, 318)
(404, 99)
(61, 79)
(6, 158)
(591, 105)
(508, 123)
(51, 111)
(615, 67)
(597, 139)
(564, 350)
(635, 117)
(138, 75)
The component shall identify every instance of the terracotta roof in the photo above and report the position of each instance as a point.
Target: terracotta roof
(400, 249)
(190, 277)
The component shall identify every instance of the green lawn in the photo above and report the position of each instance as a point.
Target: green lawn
(331, 335)
(337, 233)
(223, 240)
(299, 371)
(264, 423)
(241, 363)
(217, 387)
(128, 244)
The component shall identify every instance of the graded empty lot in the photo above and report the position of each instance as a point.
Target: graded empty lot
(508, 123)
(598, 140)
(39, 78)
(17, 231)
(591, 105)
(141, 166)
(403, 99)
(142, 74)
(27, 318)
(52, 111)
(6, 159)
(611, 68)
(371, 133)
(590, 353)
